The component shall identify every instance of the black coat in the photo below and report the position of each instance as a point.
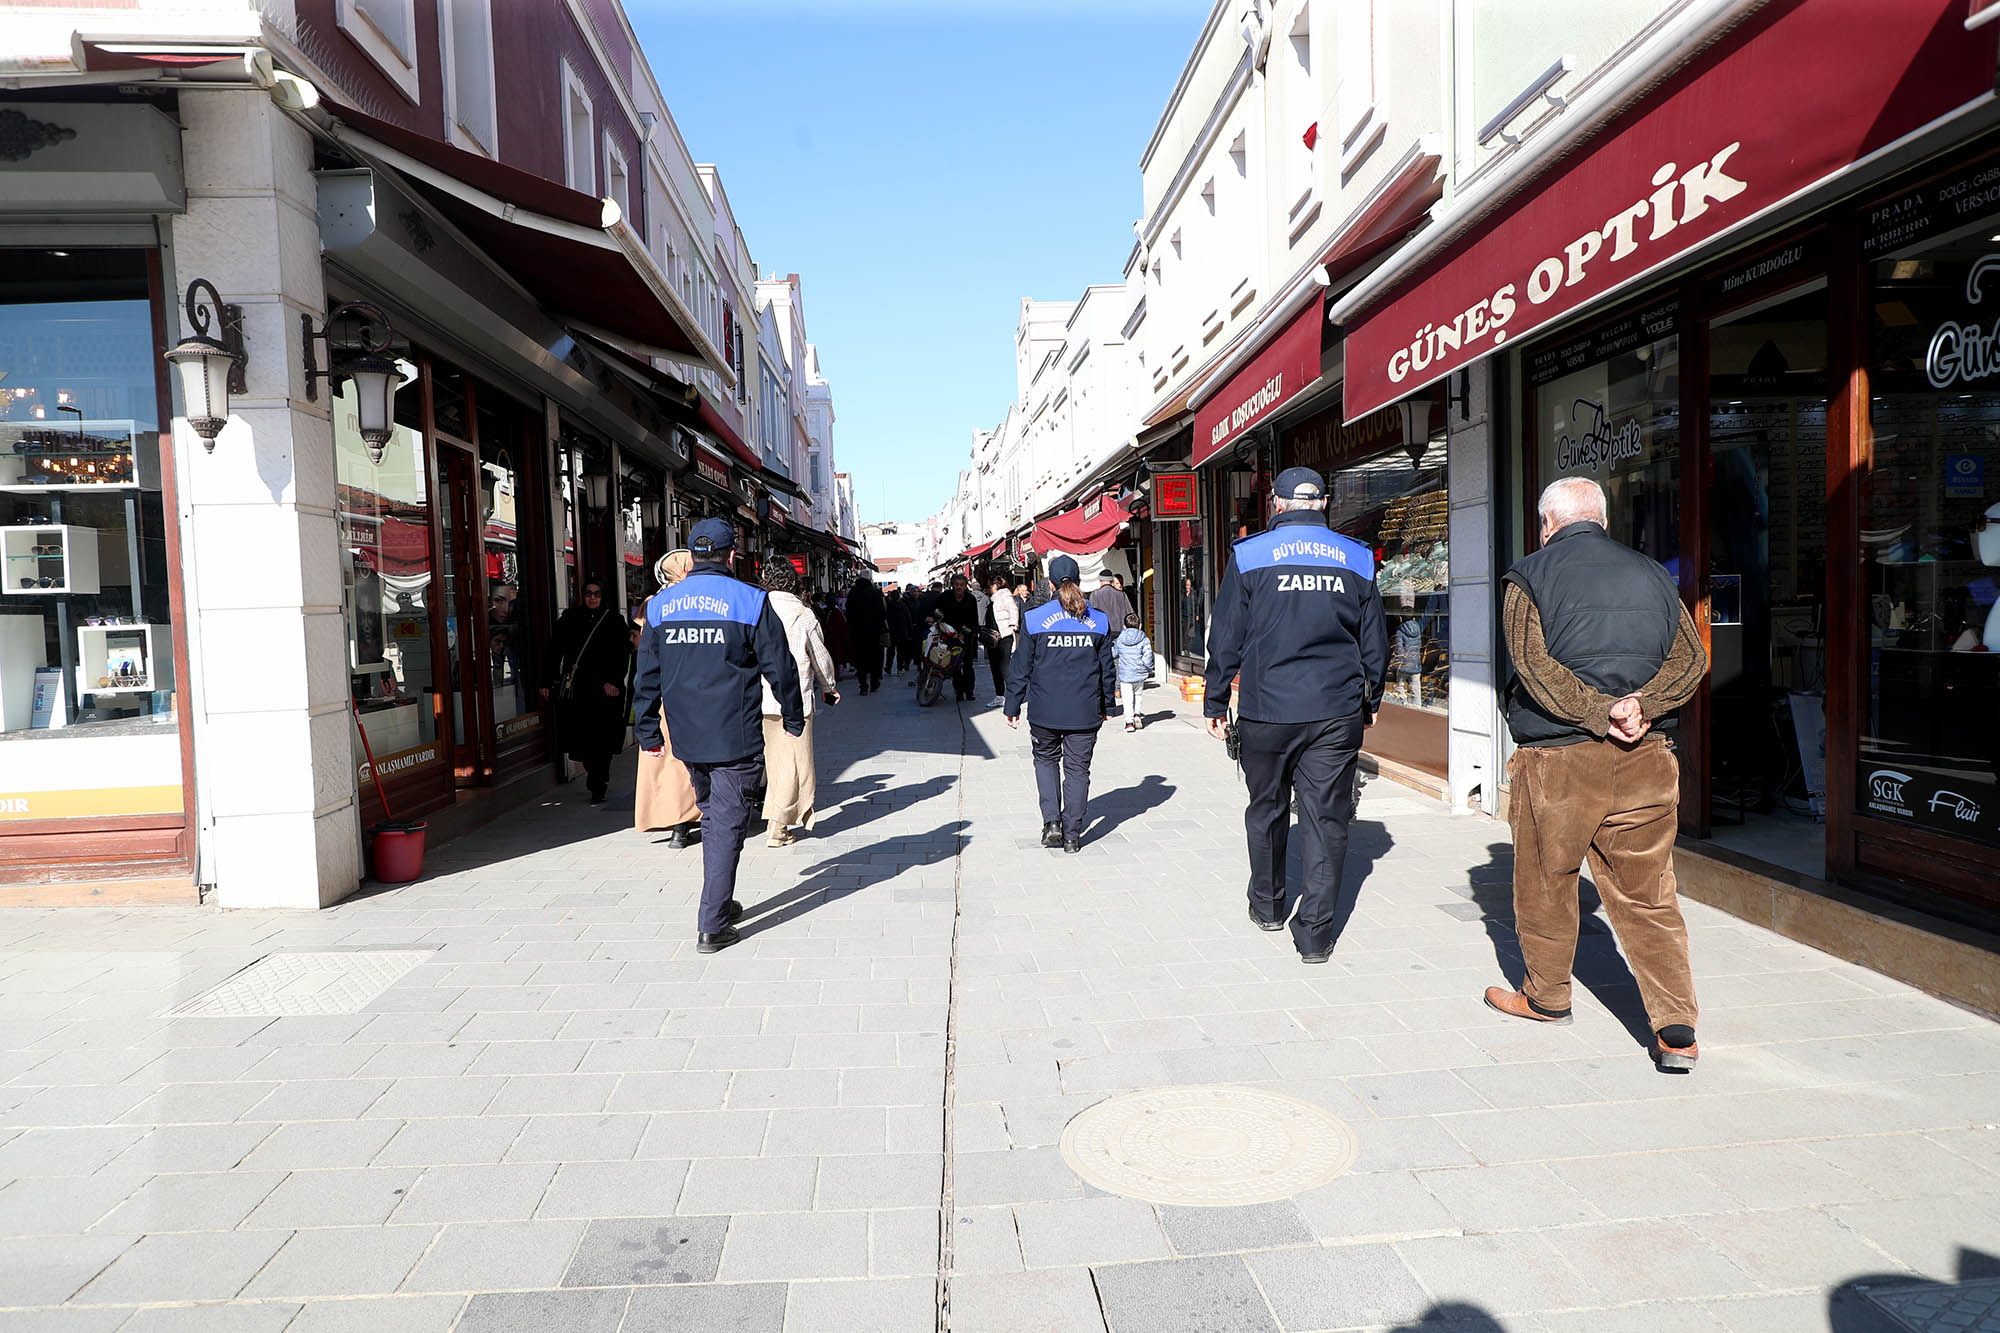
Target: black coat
(590, 651)
(710, 643)
(867, 616)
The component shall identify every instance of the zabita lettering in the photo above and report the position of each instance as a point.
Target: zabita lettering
(1678, 197)
(690, 634)
(1311, 583)
(1069, 641)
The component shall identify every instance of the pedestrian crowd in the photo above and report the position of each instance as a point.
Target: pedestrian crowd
(729, 675)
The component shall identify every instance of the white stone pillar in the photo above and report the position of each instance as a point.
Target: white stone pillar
(268, 639)
(1474, 764)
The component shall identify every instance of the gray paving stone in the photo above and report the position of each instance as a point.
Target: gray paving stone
(1100, 1230)
(496, 1256)
(903, 1242)
(1212, 1295)
(247, 1318)
(748, 1185)
(340, 1198)
(578, 1138)
(1263, 1226)
(342, 1261)
(403, 1314)
(1049, 1300)
(1020, 1176)
(614, 1189)
(544, 1311)
(504, 1192)
(722, 1307)
(882, 1305)
(316, 1144)
(1506, 1275)
(888, 1180)
(647, 1251)
(47, 1270)
(205, 1201)
(1347, 1285)
(194, 1266)
(769, 1246)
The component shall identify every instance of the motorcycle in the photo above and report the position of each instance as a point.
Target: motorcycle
(943, 650)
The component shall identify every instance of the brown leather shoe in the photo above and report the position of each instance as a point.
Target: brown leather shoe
(1516, 1005)
(1675, 1059)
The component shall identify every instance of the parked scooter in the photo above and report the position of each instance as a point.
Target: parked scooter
(943, 650)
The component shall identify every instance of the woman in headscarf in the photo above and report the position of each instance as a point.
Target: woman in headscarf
(665, 798)
(590, 650)
(791, 776)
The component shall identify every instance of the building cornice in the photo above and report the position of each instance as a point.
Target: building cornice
(1181, 85)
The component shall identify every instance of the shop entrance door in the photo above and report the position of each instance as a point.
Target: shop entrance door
(464, 610)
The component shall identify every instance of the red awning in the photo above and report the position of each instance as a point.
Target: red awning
(1081, 533)
(1272, 378)
(1776, 109)
(571, 251)
(725, 432)
(975, 552)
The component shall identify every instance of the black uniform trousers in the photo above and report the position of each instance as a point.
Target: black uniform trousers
(726, 794)
(1316, 758)
(1065, 790)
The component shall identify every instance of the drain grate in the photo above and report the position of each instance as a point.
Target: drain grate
(1932, 1307)
(1207, 1147)
(286, 984)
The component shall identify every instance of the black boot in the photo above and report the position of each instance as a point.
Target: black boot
(1052, 834)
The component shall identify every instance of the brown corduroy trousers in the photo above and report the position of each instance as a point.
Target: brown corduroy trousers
(1618, 805)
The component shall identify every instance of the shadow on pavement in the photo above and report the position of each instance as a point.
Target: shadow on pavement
(1110, 809)
(1599, 967)
(1455, 1315)
(857, 871)
(1852, 1306)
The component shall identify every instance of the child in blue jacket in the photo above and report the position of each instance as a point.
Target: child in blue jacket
(1133, 652)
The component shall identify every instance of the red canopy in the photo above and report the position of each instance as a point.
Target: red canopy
(1080, 532)
(975, 552)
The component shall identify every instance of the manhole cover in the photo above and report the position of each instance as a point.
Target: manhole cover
(1932, 1307)
(284, 984)
(1207, 1147)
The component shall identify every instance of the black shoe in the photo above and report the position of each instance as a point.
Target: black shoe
(1315, 955)
(1262, 924)
(732, 911)
(1052, 834)
(1072, 845)
(680, 837)
(721, 939)
(597, 798)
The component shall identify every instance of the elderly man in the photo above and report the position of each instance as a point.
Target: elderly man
(1298, 615)
(1603, 654)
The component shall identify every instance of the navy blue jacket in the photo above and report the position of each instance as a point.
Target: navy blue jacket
(1063, 669)
(1298, 615)
(708, 639)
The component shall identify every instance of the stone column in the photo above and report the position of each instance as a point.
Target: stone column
(267, 635)
(1475, 717)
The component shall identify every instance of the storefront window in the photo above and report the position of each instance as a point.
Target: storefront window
(642, 532)
(509, 620)
(87, 687)
(1189, 589)
(1391, 494)
(1930, 543)
(1607, 407)
(386, 578)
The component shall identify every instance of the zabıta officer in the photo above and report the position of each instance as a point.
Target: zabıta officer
(1067, 675)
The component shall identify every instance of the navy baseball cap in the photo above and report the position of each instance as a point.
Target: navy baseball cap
(1299, 483)
(1063, 569)
(711, 535)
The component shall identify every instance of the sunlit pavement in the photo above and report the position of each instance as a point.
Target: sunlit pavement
(560, 1117)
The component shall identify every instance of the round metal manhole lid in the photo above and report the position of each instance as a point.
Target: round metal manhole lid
(1207, 1147)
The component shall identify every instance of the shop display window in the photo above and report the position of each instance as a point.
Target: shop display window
(1929, 752)
(384, 512)
(1396, 502)
(87, 689)
(1607, 407)
(510, 622)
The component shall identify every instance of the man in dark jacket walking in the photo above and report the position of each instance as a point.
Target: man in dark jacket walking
(960, 609)
(1298, 614)
(898, 616)
(702, 661)
(1603, 653)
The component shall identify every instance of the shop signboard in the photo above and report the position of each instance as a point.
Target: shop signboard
(799, 563)
(1798, 93)
(1176, 497)
(1909, 794)
(1275, 376)
(711, 470)
(391, 765)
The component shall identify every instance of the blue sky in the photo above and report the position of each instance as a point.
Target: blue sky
(922, 167)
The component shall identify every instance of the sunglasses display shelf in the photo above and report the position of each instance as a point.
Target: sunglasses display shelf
(38, 458)
(46, 559)
(121, 659)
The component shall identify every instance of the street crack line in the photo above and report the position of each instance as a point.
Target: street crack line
(946, 1203)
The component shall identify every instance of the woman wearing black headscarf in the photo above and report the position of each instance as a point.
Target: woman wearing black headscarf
(867, 627)
(590, 651)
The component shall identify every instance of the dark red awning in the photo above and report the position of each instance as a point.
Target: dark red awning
(573, 252)
(1078, 532)
(725, 432)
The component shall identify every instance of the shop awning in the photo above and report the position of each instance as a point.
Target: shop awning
(1085, 530)
(975, 552)
(1784, 103)
(1275, 376)
(572, 252)
(719, 425)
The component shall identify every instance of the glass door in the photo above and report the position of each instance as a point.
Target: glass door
(462, 553)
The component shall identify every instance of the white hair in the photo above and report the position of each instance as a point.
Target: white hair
(1573, 500)
(1281, 505)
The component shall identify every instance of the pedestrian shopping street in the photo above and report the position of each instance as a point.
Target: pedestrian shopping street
(556, 1115)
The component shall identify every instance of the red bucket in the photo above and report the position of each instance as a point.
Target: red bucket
(399, 850)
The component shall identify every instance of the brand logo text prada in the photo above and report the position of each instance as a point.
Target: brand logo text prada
(1678, 197)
